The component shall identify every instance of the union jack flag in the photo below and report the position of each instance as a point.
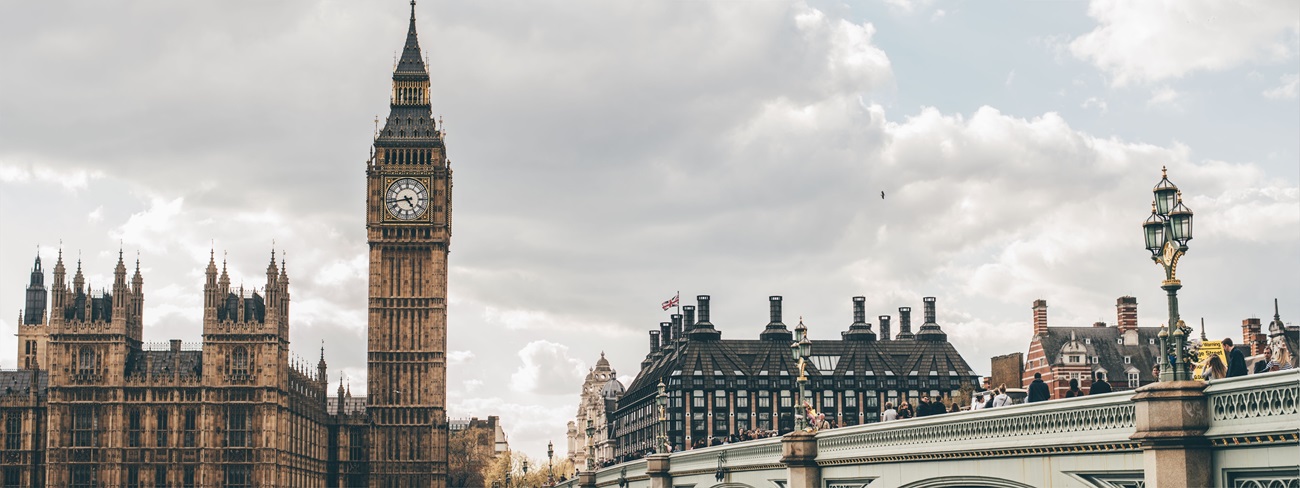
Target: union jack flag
(672, 302)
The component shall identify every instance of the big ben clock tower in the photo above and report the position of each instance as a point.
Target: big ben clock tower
(408, 227)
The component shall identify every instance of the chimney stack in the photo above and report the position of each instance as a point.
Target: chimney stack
(1126, 313)
(1251, 334)
(1040, 316)
(666, 334)
(703, 301)
(775, 330)
(176, 343)
(677, 326)
(654, 341)
(905, 323)
(884, 327)
(930, 330)
(689, 323)
(860, 330)
(704, 329)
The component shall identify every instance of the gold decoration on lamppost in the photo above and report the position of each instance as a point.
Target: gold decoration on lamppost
(1166, 232)
(800, 350)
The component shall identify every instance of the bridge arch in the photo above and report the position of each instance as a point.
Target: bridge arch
(731, 484)
(965, 482)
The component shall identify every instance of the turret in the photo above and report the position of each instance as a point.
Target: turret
(34, 314)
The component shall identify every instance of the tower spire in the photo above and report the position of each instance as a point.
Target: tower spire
(411, 60)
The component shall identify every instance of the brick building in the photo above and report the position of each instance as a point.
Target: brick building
(1124, 352)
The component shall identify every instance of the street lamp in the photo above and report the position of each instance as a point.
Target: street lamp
(800, 349)
(660, 401)
(550, 470)
(1167, 231)
(525, 472)
(591, 447)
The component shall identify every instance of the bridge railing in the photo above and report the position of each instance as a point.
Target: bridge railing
(1259, 405)
(1083, 421)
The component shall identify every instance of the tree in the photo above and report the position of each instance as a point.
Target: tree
(469, 452)
(513, 464)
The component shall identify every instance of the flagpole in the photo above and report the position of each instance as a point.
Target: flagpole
(679, 302)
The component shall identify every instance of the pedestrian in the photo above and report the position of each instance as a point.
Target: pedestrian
(1212, 368)
(924, 409)
(1002, 399)
(1074, 390)
(890, 413)
(1038, 390)
(1099, 384)
(1236, 359)
(988, 398)
(905, 410)
(1266, 364)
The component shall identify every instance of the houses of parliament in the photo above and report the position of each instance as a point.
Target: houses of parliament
(93, 405)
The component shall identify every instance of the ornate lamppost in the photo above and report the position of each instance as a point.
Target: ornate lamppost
(591, 446)
(800, 349)
(1167, 231)
(661, 400)
(550, 470)
(525, 472)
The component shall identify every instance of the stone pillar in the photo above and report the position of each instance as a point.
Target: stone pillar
(656, 467)
(1171, 419)
(799, 455)
(587, 479)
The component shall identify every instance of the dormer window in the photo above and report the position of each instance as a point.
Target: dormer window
(1128, 359)
(1119, 340)
(1087, 340)
(1075, 359)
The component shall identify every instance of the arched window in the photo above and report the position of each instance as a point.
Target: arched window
(239, 362)
(86, 361)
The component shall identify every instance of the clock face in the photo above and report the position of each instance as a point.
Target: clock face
(406, 199)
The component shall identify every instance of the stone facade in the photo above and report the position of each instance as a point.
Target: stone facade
(93, 405)
(408, 228)
(600, 393)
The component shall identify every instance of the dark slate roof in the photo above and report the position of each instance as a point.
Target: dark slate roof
(411, 61)
(1101, 342)
(19, 382)
(166, 362)
(701, 356)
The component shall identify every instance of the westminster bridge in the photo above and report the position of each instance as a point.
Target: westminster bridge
(1238, 432)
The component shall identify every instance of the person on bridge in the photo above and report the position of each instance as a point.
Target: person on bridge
(904, 410)
(1099, 384)
(1038, 391)
(1266, 364)
(890, 413)
(925, 408)
(1236, 359)
(1001, 399)
(1074, 390)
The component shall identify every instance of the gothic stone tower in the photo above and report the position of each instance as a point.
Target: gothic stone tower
(408, 227)
(33, 335)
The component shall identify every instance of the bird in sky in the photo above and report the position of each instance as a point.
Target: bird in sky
(882, 194)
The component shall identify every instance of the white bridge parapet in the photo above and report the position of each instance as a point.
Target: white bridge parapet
(1253, 434)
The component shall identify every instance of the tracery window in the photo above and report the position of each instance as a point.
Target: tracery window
(239, 363)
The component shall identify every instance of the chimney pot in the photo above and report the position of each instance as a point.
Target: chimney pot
(859, 310)
(654, 341)
(905, 323)
(884, 327)
(774, 308)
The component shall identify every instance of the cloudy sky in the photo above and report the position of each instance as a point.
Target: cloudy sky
(608, 154)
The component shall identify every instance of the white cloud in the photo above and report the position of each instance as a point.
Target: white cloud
(1095, 102)
(96, 215)
(1288, 90)
(149, 229)
(547, 369)
(69, 179)
(1164, 96)
(459, 357)
(1010, 78)
(1152, 41)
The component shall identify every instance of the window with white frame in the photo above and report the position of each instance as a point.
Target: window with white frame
(1128, 359)
(1133, 379)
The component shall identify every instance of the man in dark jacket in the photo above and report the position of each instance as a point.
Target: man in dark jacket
(1099, 384)
(925, 408)
(1236, 359)
(1038, 390)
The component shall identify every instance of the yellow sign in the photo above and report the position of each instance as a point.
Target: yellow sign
(1207, 349)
